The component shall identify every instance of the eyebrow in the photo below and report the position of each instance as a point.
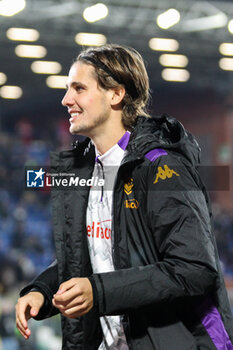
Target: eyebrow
(75, 84)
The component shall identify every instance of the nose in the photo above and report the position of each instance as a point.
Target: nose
(67, 99)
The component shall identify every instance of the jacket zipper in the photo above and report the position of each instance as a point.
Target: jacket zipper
(115, 248)
(103, 176)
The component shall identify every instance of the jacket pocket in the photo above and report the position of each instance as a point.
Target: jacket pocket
(147, 334)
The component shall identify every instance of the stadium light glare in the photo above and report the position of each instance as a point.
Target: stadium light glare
(230, 26)
(226, 63)
(46, 67)
(218, 20)
(90, 39)
(9, 8)
(57, 81)
(30, 51)
(3, 78)
(176, 75)
(163, 44)
(95, 13)
(168, 18)
(22, 34)
(226, 49)
(170, 60)
(11, 92)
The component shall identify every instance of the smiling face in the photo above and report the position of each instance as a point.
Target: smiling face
(88, 105)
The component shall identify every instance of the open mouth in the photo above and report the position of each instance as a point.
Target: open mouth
(74, 116)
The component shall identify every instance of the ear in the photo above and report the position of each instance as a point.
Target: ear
(118, 95)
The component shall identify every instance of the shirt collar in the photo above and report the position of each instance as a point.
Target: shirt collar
(122, 144)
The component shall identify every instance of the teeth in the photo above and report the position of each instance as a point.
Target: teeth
(74, 114)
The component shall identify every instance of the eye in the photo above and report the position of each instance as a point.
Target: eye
(79, 88)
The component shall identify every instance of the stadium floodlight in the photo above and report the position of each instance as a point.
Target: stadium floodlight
(22, 34)
(95, 13)
(168, 18)
(30, 51)
(57, 81)
(230, 26)
(171, 60)
(176, 75)
(46, 67)
(163, 44)
(11, 92)
(90, 39)
(226, 49)
(10, 8)
(3, 78)
(226, 63)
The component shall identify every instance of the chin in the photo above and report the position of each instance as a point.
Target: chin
(71, 130)
(75, 130)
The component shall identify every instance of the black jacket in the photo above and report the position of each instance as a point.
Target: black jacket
(167, 285)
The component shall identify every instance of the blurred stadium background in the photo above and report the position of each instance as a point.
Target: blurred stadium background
(188, 49)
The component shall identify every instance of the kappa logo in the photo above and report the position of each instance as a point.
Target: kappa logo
(165, 173)
(128, 186)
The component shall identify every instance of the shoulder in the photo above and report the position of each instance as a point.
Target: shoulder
(167, 169)
(155, 154)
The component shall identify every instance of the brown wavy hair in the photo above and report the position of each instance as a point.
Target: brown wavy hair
(119, 65)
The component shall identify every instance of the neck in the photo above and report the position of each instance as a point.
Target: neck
(104, 141)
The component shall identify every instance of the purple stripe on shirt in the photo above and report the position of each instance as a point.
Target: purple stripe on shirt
(123, 142)
(214, 326)
(155, 153)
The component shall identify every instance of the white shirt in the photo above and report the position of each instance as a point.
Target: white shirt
(99, 234)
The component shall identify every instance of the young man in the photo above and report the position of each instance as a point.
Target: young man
(137, 265)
